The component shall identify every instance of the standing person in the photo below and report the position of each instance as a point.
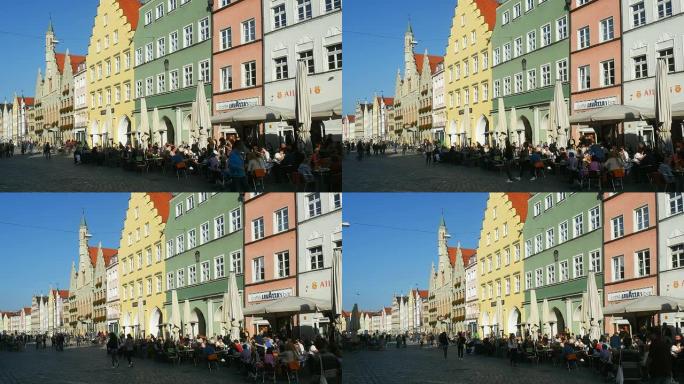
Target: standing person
(428, 153)
(461, 344)
(523, 160)
(128, 348)
(513, 349)
(113, 349)
(508, 160)
(659, 359)
(444, 343)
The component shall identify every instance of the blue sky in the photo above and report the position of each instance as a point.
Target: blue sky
(22, 32)
(39, 237)
(392, 240)
(374, 41)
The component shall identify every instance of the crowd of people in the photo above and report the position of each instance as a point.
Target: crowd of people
(262, 355)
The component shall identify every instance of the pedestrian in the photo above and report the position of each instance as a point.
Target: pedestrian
(659, 359)
(444, 343)
(461, 345)
(508, 160)
(513, 349)
(113, 349)
(128, 348)
(523, 160)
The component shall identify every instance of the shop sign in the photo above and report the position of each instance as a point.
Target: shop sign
(631, 294)
(291, 92)
(236, 104)
(269, 295)
(595, 103)
(638, 94)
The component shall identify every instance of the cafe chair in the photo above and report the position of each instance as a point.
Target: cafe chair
(258, 177)
(617, 179)
(181, 169)
(212, 361)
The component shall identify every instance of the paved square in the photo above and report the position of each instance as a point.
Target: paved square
(416, 365)
(396, 172)
(34, 173)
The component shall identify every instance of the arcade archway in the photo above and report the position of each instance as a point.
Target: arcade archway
(197, 322)
(124, 131)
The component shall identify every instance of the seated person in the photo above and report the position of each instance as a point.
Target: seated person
(305, 170)
(269, 359)
(614, 162)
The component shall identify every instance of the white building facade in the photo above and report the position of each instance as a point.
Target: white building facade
(80, 103)
(438, 106)
(671, 251)
(113, 305)
(472, 305)
(309, 30)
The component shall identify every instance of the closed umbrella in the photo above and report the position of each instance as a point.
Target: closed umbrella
(175, 320)
(594, 306)
(584, 320)
(501, 127)
(533, 317)
(514, 121)
(156, 129)
(194, 124)
(337, 282)
(109, 123)
(303, 105)
(663, 107)
(203, 115)
(187, 327)
(355, 323)
(236, 315)
(383, 320)
(552, 128)
(141, 317)
(499, 317)
(561, 120)
(546, 318)
(466, 126)
(144, 126)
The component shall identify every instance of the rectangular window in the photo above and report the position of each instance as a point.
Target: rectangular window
(640, 67)
(316, 257)
(583, 37)
(518, 82)
(258, 228)
(497, 56)
(537, 208)
(595, 260)
(236, 262)
(337, 200)
(169, 248)
(159, 12)
(192, 275)
(545, 35)
(148, 256)
(331, 5)
(204, 29)
(235, 220)
(643, 259)
(205, 271)
(607, 73)
(676, 202)
(594, 218)
(618, 268)
(192, 238)
(607, 29)
(531, 41)
(149, 52)
(618, 227)
(578, 266)
(549, 238)
(334, 56)
(204, 71)
(283, 263)
(158, 283)
(505, 18)
(219, 268)
(173, 41)
(173, 76)
(204, 233)
(249, 74)
(227, 78)
(172, 5)
(280, 67)
(561, 28)
(516, 283)
(638, 14)
(303, 10)
(507, 285)
(314, 204)
(545, 75)
(517, 47)
(528, 280)
(507, 86)
(664, 8)
(258, 273)
(219, 227)
(577, 225)
(516, 253)
(308, 58)
(169, 281)
(641, 220)
(551, 274)
(562, 70)
(507, 52)
(529, 4)
(539, 277)
(180, 278)
(528, 248)
(187, 36)
(281, 219)
(161, 83)
(538, 243)
(564, 272)
(158, 252)
(161, 47)
(248, 31)
(516, 11)
(279, 17)
(180, 244)
(187, 76)
(226, 38)
(668, 55)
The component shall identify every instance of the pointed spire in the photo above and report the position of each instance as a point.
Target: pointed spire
(442, 223)
(50, 29)
(409, 29)
(83, 219)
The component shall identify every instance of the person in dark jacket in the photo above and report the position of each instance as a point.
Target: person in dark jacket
(444, 343)
(113, 349)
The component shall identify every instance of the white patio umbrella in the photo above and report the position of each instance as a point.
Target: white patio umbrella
(466, 126)
(254, 114)
(614, 113)
(187, 327)
(235, 307)
(203, 115)
(337, 282)
(144, 126)
(561, 120)
(141, 317)
(109, 123)
(533, 317)
(175, 319)
(646, 305)
(383, 319)
(663, 106)
(289, 305)
(355, 323)
(584, 320)
(498, 315)
(594, 306)
(546, 318)
(514, 120)
(156, 129)
(501, 127)
(551, 128)
(303, 105)
(193, 135)
(328, 109)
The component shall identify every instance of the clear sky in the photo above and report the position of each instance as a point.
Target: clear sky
(22, 31)
(392, 240)
(39, 239)
(374, 42)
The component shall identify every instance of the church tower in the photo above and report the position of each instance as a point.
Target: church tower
(50, 43)
(442, 237)
(84, 266)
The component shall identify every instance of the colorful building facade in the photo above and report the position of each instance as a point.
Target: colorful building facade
(110, 73)
(205, 235)
(142, 264)
(500, 292)
(172, 55)
(530, 52)
(468, 74)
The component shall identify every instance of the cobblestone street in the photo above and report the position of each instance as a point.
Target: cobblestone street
(415, 365)
(396, 172)
(92, 365)
(59, 174)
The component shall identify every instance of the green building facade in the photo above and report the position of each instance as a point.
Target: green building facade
(204, 244)
(563, 242)
(173, 52)
(530, 49)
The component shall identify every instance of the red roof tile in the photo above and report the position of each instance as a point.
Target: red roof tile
(75, 61)
(351, 118)
(519, 202)
(423, 293)
(107, 254)
(28, 100)
(63, 293)
(465, 255)
(27, 310)
(432, 59)
(161, 201)
(488, 11)
(388, 310)
(387, 100)
(130, 10)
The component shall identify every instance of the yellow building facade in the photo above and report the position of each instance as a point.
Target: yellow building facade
(467, 73)
(141, 263)
(500, 263)
(110, 73)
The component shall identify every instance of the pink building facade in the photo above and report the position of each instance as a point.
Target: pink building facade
(237, 57)
(630, 250)
(270, 254)
(595, 62)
